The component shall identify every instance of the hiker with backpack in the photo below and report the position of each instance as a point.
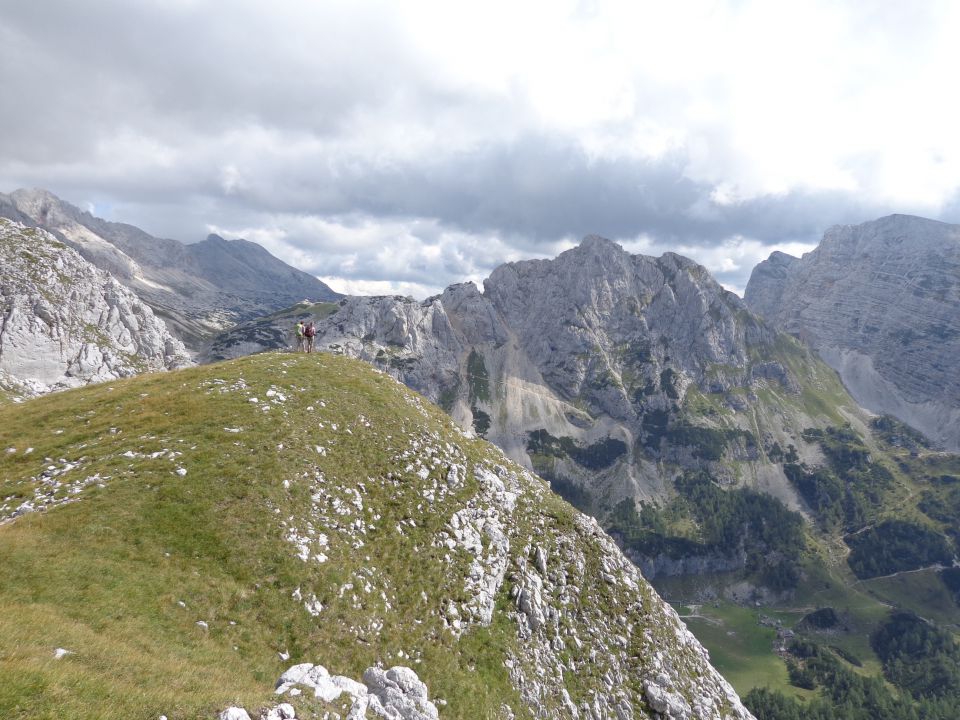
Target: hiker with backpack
(301, 329)
(310, 332)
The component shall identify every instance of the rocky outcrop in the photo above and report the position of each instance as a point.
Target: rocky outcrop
(395, 694)
(199, 289)
(66, 323)
(881, 304)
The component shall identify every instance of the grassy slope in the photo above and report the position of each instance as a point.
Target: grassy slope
(103, 576)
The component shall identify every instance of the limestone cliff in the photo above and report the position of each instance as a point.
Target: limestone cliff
(66, 323)
(881, 304)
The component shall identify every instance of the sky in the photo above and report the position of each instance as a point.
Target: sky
(398, 147)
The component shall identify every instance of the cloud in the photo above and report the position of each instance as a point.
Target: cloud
(413, 256)
(424, 142)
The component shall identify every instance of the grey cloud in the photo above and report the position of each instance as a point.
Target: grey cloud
(539, 189)
(283, 98)
(89, 70)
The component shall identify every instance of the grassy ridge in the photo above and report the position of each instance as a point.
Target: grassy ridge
(122, 576)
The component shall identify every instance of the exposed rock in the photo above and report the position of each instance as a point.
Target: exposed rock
(234, 713)
(668, 704)
(283, 711)
(663, 565)
(881, 303)
(397, 693)
(66, 323)
(199, 288)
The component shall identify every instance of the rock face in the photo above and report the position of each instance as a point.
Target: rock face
(198, 289)
(586, 368)
(881, 304)
(66, 323)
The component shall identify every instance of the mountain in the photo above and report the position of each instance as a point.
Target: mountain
(725, 458)
(66, 323)
(307, 523)
(880, 302)
(602, 370)
(724, 455)
(198, 289)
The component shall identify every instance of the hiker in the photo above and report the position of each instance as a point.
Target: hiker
(310, 332)
(300, 331)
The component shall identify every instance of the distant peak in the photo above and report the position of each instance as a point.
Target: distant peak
(597, 246)
(903, 217)
(214, 238)
(42, 206)
(781, 258)
(900, 219)
(34, 197)
(39, 193)
(591, 242)
(897, 229)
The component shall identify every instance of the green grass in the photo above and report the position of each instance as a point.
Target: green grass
(822, 394)
(740, 648)
(920, 592)
(103, 576)
(122, 575)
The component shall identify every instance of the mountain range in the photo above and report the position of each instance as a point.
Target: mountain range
(608, 373)
(196, 288)
(727, 445)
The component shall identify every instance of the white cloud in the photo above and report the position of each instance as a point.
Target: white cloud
(416, 257)
(349, 286)
(729, 261)
(424, 142)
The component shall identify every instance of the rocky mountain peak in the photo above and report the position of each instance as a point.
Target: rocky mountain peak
(596, 346)
(780, 259)
(597, 254)
(880, 302)
(43, 206)
(889, 233)
(34, 197)
(599, 245)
